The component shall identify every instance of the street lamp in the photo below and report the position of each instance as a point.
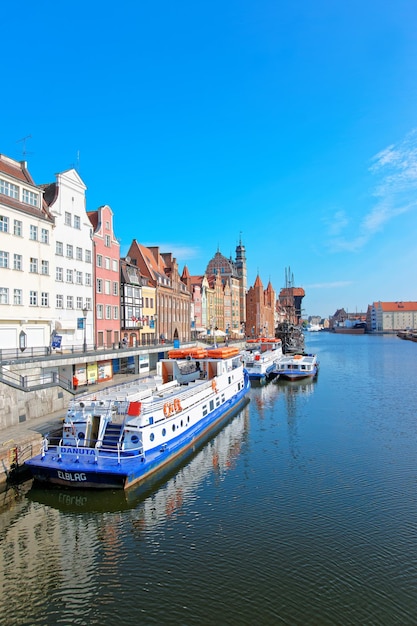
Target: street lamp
(156, 328)
(85, 311)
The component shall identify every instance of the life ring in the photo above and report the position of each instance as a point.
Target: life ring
(214, 386)
(177, 405)
(167, 409)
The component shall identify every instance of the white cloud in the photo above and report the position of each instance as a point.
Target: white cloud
(395, 186)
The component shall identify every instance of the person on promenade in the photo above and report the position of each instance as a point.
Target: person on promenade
(74, 382)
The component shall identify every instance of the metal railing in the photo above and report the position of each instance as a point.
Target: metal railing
(34, 381)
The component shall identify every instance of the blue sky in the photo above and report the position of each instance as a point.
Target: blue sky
(290, 124)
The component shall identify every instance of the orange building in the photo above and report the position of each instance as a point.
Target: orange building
(260, 310)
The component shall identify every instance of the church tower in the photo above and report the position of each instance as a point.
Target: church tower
(242, 273)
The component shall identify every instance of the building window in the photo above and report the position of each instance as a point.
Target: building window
(70, 302)
(115, 312)
(88, 304)
(4, 259)
(107, 225)
(88, 256)
(70, 251)
(107, 241)
(33, 298)
(107, 287)
(79, 278)
(17, 262)
(115, 265)
(45, 268)
(33, 266)
(59, 248)
(44, 298)
(107, 263)
(59, 274)
(79, 254)
(59, 301)
(69, 276)
(17, 296)
(99, 285)
(99, 260)
(33, 232)
(99, 311)
(45, 235)
(88, 280)
(4, 224)
(67, 218)
(29, 197)
(4, 295)
(77, 222)
(115, 289)
(8, 189)
(108, 312)
(17, 228)
(79, 302)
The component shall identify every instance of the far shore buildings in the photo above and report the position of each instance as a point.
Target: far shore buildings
(391, 316)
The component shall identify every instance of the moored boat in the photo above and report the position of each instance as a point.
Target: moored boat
(298, 366)
(260, 357)
(135, 431)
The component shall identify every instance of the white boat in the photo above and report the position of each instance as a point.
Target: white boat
(260, 357)
(297, 366)
(138, 430)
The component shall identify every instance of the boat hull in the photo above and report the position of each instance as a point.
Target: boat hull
(83, 468)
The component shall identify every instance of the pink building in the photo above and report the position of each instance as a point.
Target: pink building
(106, 258)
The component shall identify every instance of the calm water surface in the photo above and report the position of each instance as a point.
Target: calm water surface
(302, 510)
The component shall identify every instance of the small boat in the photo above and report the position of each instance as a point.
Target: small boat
(297, 366)
(121, 436)
(260, 357)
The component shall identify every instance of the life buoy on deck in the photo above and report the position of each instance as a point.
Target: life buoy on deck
(167, 409)
(177, 405)
(214, 386)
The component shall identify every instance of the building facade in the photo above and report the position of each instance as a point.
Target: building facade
(106, 259)
(73, 261)
(27, 301)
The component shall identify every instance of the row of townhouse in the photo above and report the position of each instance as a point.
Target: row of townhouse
(64, 284)
(62, 281)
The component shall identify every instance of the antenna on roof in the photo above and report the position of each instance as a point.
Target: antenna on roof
(23, 140)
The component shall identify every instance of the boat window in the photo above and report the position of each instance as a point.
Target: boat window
(134, 439)
(81, 435)
(211, 405)
(173, 427)
(152, 437)
(205, 410)
(164, 432)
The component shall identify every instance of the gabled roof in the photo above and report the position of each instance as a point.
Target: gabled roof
(15, 169)
(397, 306)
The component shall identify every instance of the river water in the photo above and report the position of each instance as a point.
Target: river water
(301, 510)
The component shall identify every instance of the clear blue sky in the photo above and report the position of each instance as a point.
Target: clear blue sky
(293, 123)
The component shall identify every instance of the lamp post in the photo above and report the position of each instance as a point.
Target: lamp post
(85, 311)
(156, 328)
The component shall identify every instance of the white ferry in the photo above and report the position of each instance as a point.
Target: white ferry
(261, 356)
(297, 366)
(118, 441)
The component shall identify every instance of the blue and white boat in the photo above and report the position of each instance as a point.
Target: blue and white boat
(297, 366)
(120, 437)
(261, 356)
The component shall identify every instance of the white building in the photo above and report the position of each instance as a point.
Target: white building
(73, 268)
(26, 259)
